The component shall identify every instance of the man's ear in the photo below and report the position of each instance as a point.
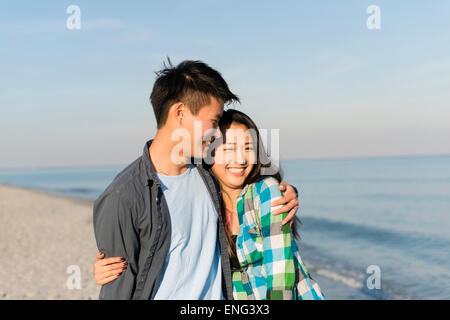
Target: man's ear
(177, 112)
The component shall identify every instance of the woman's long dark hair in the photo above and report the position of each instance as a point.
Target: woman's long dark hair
(262, 159)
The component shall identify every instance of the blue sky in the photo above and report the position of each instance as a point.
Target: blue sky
(312, 69)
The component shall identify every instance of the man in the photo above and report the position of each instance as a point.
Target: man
(162, 212)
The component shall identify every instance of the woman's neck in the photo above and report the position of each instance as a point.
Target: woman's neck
(229, 197)
(231, 220)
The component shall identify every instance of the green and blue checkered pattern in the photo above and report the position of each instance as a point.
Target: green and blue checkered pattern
(271, 266)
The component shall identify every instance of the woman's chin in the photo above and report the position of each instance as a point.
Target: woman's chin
(236, 181)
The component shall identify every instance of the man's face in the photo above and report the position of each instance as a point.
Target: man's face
(203, 127)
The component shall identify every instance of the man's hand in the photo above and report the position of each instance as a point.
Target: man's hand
(289, 201)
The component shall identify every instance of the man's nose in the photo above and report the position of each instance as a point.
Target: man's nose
(218, 133)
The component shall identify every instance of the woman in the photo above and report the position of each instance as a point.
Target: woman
(264, 258)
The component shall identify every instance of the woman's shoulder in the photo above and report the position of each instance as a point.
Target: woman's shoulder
(267, 188)
(266, 191)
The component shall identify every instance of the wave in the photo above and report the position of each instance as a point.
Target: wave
(77, 190)
(341, 272)
(435, 180)
(372, 234)
(405, 197)
(346, 280)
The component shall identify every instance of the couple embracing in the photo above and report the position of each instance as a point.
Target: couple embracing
(202, 214)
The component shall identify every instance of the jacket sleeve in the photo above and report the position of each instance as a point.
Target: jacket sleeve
(116, 236)
(278, 257)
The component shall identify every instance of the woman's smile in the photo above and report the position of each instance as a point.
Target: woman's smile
(236, 171)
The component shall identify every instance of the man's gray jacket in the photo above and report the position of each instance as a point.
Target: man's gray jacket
(132, 220)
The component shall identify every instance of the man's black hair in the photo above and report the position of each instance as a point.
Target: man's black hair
(190, 82)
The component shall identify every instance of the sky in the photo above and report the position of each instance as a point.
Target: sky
(311, 69)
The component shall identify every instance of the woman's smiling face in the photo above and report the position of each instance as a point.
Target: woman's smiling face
(235, 158)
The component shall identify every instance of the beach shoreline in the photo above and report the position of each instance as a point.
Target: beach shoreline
(48, 245)
(75, 199)
(58, 237)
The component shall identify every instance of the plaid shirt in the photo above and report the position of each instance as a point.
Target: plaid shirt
(271, 267)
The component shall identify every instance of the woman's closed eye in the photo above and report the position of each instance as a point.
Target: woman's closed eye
(228, 148)
(231, 148)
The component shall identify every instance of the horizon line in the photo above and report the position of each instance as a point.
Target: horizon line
(282, 159)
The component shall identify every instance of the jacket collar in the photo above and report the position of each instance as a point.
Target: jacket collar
(148, 171)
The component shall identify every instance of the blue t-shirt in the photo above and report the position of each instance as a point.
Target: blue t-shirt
(192, 269)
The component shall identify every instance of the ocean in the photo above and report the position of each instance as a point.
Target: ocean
(372, 228)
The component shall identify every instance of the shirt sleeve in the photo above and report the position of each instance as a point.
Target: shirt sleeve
(278, 257)
(116, 236)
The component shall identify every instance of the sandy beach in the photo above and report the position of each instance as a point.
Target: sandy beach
(42, 238)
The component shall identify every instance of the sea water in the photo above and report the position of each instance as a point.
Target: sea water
(391, 215)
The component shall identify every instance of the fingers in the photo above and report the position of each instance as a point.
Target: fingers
(283, 186)
(106, 272)
(101, 256)
(108, 269)
(288, 207)
(111, 267)
(289, 217)
(108, 261)
(278, 202)
(289, 199)
(107, 280)
(293, 204)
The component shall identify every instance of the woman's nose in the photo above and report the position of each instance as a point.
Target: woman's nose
(240, 156)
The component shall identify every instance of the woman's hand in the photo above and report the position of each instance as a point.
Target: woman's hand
(289, 201)
(106, 270)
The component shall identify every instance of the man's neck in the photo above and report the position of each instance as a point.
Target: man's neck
(161, 155)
